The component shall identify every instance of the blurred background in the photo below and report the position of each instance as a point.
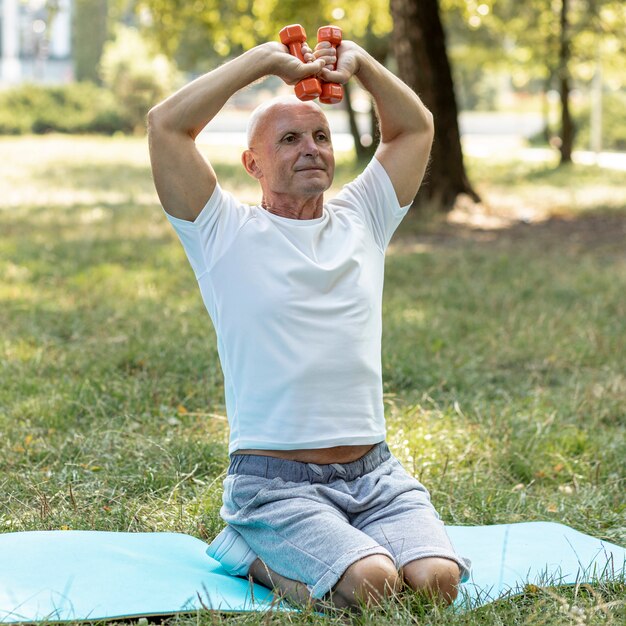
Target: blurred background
(504, 349)
(537, 77)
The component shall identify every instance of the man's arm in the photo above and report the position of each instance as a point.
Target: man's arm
(184, 180)
(406, 125)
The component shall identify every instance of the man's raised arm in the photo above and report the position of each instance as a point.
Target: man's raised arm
(184, 180)
(406, 125)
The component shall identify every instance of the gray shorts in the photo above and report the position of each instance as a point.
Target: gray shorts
(311, 522)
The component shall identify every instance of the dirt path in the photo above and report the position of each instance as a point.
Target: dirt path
(584, 232)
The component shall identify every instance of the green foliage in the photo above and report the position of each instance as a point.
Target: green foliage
(613, 123)
(74, 108)
(522, 36)
(138, 76)
(201, 33)
(90, 31)
(518, 41)
(475, 89)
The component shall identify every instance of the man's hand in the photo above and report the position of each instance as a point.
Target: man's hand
(289, 68)
(341, 63)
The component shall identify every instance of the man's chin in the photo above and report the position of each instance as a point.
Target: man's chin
(314, 181)
(313, 188)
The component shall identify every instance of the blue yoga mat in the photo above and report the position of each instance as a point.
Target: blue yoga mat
(90, 575)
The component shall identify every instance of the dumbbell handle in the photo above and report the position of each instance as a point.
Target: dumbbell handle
(295, 49)
(332, 93)
(293, 36)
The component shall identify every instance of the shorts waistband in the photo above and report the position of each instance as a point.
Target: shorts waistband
(295, 471)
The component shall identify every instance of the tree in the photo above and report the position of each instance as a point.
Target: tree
(200, 34)
(90, 31)
(556, 43)
(582, 26)
(546, 33)
(419, 45)
(567, 125)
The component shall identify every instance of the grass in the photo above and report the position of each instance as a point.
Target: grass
(504, 361)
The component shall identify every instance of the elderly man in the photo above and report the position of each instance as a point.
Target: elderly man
(316, 505)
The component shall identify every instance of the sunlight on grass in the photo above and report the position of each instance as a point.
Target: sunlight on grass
(545, 189)
(504, 359)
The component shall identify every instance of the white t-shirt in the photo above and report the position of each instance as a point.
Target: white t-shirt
(297, 307)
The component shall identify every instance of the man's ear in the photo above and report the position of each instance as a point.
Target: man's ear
(250, 163)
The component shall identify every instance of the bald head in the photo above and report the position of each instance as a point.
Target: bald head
(268, 111)
(290, 152)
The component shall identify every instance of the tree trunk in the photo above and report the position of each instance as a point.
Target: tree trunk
(362, 152)
(89, 34)
(378, 47)
(374, 126)
(545, 107)
(567, 124)
(420, 48)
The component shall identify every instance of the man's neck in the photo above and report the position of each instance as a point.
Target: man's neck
(294, 208)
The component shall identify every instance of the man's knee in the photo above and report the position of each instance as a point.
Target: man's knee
(436, 577)
(367, 581)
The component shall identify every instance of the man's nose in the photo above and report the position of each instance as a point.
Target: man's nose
(310, 147)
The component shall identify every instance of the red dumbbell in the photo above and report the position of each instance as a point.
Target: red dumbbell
(293, 36)
(332, 93)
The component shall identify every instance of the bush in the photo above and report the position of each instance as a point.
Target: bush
(136, 78)
(136, 74)
(73, 108)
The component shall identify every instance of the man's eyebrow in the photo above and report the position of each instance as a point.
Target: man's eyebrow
(298, 131)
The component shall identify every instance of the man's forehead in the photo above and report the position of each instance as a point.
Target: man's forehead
(297, 116)
(280, 113)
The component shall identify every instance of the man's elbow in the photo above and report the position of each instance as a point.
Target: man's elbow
(420, 126)
(429, 125)
(155, 119)
(163, 119)
(422, 133)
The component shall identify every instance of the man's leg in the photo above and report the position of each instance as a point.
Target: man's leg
(292, 590)
(435, 577)
(365, 582)
(230, 549)
(403, 520)
(298, 531)
(341, 538)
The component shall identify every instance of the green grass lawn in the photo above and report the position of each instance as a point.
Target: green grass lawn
(504, 360)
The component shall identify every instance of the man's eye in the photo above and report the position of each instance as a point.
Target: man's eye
(289, 138)
(322, 137)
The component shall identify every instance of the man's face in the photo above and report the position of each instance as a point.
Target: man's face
(292, 151)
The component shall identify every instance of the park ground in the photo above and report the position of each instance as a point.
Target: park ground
(504, 360)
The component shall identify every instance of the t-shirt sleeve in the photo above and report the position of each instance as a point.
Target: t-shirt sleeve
(371, 196)
(207, 238)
